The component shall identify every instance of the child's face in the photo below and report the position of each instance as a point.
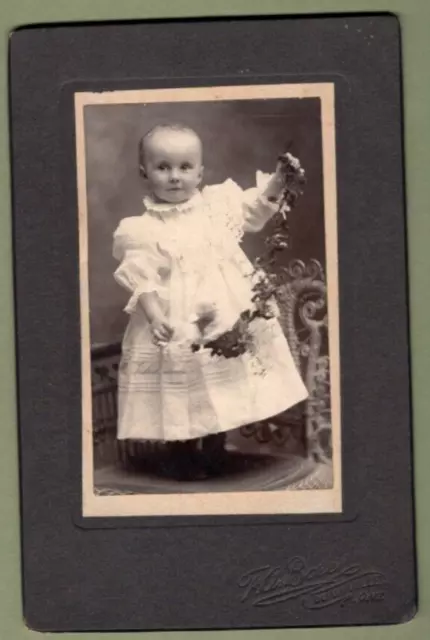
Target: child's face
(173, 165)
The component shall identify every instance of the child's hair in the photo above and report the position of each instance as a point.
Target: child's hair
(160, 127)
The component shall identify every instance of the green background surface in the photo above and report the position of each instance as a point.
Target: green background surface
(415, 22)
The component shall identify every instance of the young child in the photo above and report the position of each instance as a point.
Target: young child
(181, 261)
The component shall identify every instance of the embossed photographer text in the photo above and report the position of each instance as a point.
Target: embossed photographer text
(316, 587)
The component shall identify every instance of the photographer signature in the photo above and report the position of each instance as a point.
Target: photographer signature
(317, 587)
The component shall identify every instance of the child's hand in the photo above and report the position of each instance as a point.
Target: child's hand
(288, 180)
(161, 330)
(279, 174)
(286, 166)
(276, 184)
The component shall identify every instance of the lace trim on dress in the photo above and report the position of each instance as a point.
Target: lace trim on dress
(171, 207)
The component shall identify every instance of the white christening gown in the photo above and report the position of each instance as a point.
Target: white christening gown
(190, 255)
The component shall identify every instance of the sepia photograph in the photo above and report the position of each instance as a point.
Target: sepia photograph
(209, 300)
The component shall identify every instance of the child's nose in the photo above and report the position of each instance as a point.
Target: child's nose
(174, 176)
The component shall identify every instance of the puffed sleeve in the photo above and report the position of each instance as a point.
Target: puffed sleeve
(248, 210)
(257, 208)
(142, 262)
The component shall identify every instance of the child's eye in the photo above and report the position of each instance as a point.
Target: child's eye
(163, 166)
(186, 166)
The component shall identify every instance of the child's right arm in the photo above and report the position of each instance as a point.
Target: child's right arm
(139, 273)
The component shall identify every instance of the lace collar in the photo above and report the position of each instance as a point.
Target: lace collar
(166, 208)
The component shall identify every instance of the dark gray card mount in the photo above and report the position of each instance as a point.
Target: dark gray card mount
(215, 572)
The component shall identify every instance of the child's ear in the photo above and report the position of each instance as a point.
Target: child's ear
(142, 171)
(201, 172)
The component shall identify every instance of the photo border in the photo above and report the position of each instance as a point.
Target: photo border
(285, 502)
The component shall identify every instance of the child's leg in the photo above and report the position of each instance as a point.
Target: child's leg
(182, 461)
(213, 453)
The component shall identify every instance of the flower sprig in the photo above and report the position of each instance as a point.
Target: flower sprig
(268, 278)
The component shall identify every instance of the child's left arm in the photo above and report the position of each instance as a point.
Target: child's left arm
(260, 204)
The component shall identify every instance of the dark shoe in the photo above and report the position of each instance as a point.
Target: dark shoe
(182, 461)
(213, 454)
